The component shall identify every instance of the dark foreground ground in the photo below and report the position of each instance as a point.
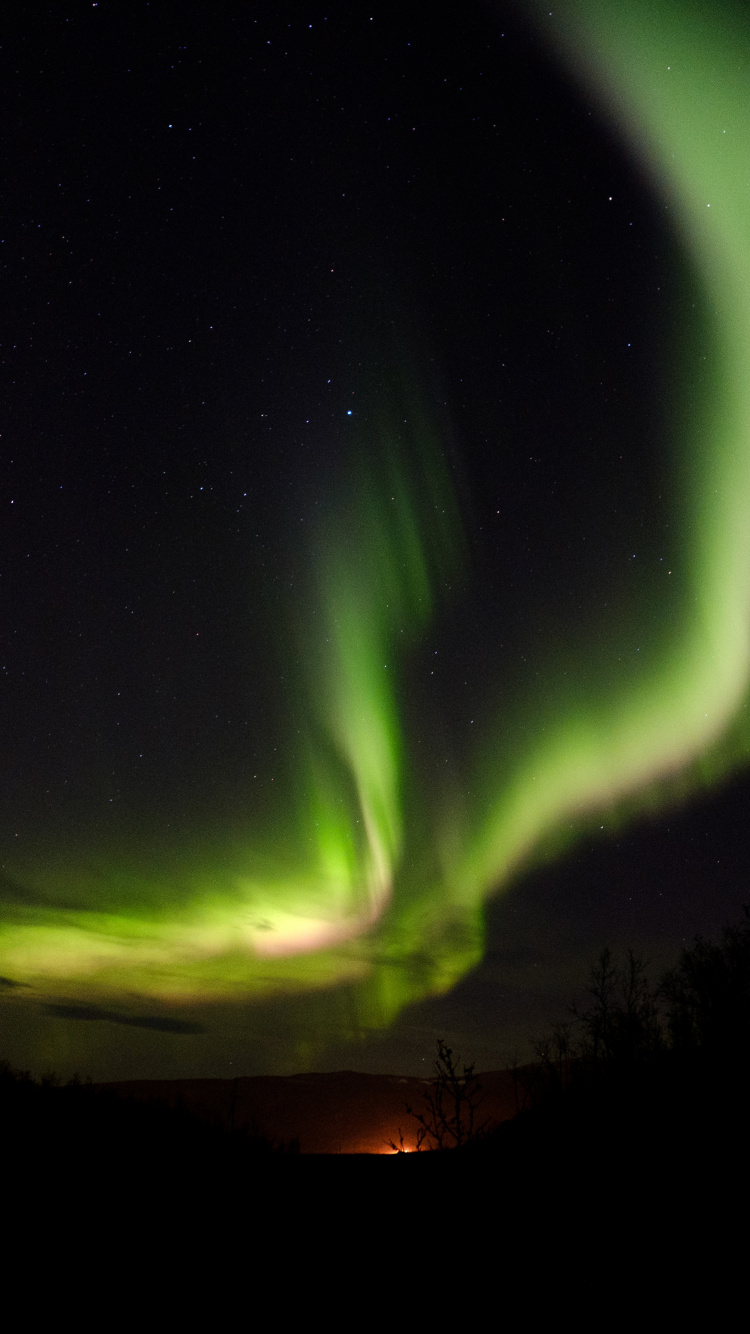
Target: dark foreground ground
(608, 1200)
(670, 1136)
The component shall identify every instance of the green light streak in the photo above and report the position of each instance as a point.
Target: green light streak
(395, 537)
(676, 77)
(681, 92)
(372, 886)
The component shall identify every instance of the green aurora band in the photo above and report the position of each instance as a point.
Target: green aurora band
(362, 884)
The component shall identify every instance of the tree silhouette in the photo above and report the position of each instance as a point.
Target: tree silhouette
(708, 995)
(621, 1019)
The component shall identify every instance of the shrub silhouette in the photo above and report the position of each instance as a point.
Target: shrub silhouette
(449, 1120)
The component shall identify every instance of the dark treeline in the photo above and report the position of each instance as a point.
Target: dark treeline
(76, 1129)
(640, 1079)
(644, 1072)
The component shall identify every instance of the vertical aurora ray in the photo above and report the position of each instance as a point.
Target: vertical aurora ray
(374, 881)
(391, 539)
(376, 567)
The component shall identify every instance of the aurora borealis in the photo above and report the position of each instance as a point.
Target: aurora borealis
(399, 706)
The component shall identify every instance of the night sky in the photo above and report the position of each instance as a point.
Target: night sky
(374, 562)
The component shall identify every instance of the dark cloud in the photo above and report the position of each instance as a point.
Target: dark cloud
(157, 1023)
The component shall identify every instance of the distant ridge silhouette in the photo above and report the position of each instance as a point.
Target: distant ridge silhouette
(346, 1112)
